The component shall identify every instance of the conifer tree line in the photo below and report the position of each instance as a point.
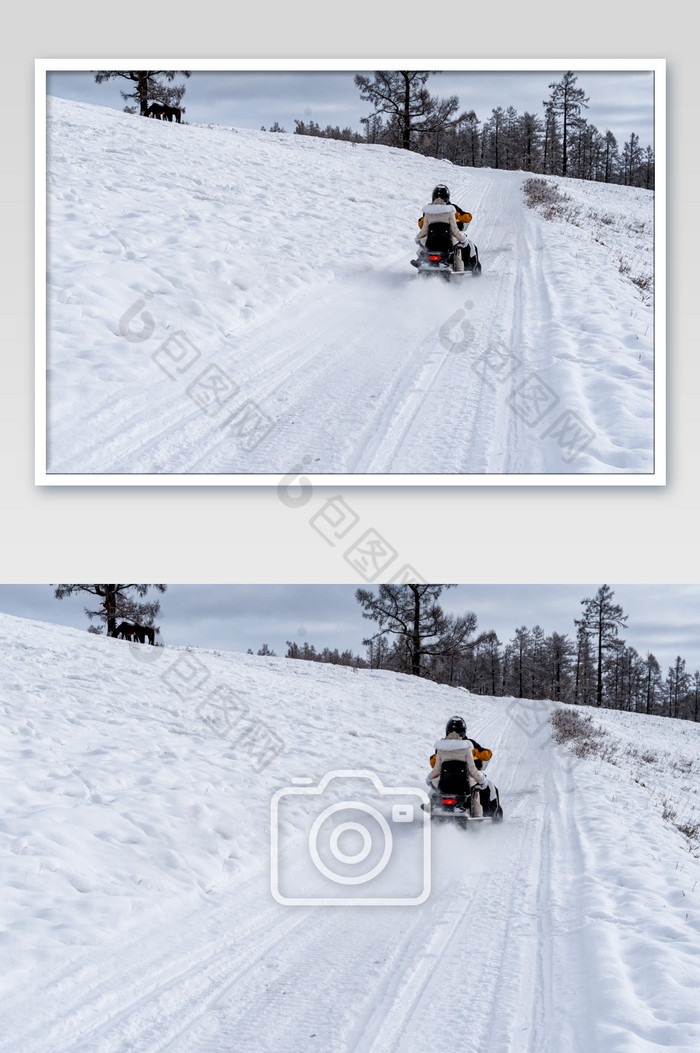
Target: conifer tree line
(308, 653)
(592, 666)
(558, 141)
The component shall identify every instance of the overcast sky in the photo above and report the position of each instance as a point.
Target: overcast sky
(664, 619)
(621, 101)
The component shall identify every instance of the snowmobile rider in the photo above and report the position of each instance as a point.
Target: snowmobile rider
(441, 210)
(456, 746)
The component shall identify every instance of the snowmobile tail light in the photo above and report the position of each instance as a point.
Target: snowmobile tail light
(449, 800)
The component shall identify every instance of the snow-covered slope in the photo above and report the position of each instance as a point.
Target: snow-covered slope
(135, 843)
(232, 301)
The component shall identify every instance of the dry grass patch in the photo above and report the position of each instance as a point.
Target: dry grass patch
(579, 733)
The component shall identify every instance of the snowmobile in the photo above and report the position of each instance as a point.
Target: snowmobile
(454, 801)
(438, 255)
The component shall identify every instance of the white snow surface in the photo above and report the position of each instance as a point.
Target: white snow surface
(276, 321)
(137, 913)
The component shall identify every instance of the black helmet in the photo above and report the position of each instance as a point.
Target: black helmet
(441, 191)
(458, 725)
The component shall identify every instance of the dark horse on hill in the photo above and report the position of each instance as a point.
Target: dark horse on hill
(133, 631)
(125, 630)
(147, 632)
(161, 111)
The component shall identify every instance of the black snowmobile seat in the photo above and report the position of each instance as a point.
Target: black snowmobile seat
(454, 778)
(439, 238)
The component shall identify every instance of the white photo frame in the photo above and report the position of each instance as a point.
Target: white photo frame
(304, 467)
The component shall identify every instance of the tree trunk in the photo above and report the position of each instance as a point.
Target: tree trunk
(143, 93)
(406, 143)
(415, 655)
(110, 606)
(599, 691)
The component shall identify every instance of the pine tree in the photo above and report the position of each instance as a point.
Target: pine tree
(468, 133)
(696, 695)
(529, 135)
(403, 97)
(652, 682)
(551, 140)
(649, 168)
(677, 685)
(559, 653)
(494, 131)
(146, 85)
(413, 615)
(537, 664)
(567, 101)
(630, 160)
(486, 665)
(602, 620)
(610, 154)
(510, 138)
(520, 647)
(117, 602)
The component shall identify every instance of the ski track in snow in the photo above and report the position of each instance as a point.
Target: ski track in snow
(137, 912)
(303, 297)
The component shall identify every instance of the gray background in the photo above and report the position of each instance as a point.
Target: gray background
(247, 534)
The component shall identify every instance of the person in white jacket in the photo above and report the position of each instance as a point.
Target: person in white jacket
(441, 211)
(456, 746)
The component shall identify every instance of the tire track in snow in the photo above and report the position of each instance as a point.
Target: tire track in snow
(386, 998)
(550, 1009)
(146, 973)
(160, 1016)
(127, 443)
(436, 963)
(457, 406)
(385, 451)
(404, 993)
